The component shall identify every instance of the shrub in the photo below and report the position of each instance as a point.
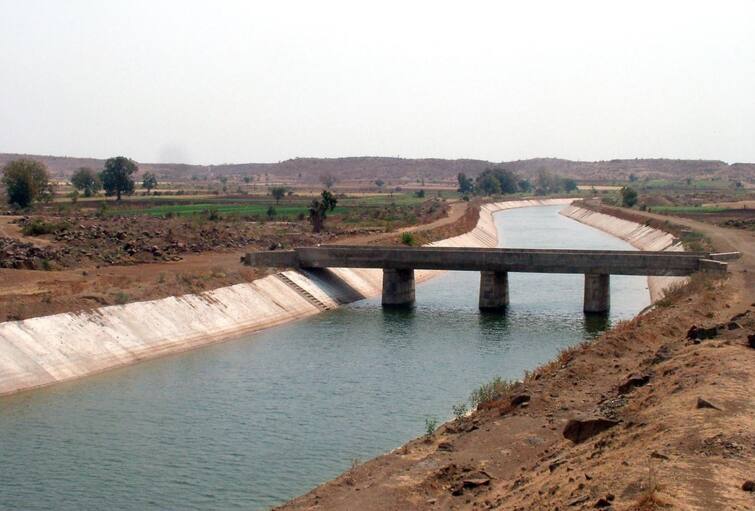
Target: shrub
(212, 214)
(431, 424)
(490, 391)
(407, 238)
(459, 410)
(39, 227)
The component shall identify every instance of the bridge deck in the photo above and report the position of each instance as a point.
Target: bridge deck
(615, 262)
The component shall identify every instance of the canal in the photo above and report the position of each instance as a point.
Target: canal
(252, 422)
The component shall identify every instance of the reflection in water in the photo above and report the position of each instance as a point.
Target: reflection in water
(250, 423)
(596, 323)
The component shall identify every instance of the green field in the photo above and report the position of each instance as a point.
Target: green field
(694, 184)
(289, 207)
(687, 209)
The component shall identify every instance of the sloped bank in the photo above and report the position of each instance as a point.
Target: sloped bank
(641, 237)
(49, 349)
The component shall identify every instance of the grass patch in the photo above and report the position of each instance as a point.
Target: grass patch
(686, 209)
(491, 391)
(38, 227)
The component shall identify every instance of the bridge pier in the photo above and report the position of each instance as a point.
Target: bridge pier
(597, 292)
(398, 287)
(494, 290)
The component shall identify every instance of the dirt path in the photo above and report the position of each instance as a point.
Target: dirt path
(9, 229)
(657, 445)
(725, 240)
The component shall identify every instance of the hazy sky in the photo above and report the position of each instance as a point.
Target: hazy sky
(223, 81)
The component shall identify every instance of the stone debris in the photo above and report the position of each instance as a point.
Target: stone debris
(580, 430)
(704, 403)
(633, 382)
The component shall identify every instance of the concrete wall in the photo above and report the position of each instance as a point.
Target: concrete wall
(44, 350)
(639, 236)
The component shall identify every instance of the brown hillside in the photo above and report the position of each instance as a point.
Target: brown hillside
(368, 168)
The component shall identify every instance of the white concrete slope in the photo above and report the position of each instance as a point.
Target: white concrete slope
(638, 235)
(44, 350)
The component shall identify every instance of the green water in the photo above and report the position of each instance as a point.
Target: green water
(252, 422)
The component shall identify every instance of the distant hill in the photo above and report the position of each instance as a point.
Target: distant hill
(370, 168)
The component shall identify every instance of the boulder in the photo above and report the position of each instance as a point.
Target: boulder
(580, 430)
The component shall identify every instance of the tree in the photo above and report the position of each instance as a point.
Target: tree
(570, 185)
(494, 181)
(224, 182)
(328, 180)
(247, 179)
(319, 209)
(487, 184)
(278, 192)
(86, 180)
(116, 176)
(26, 181)
(379, 183)
(632, 178)
(628, 196)
(149, 182)
(524, 185)
(465, 184)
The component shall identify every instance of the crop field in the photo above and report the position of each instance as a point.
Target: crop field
(289, 207)
(688, 209)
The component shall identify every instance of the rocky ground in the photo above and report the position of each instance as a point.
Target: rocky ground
(657, 413)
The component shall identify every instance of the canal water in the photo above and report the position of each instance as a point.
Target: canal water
(252, 422)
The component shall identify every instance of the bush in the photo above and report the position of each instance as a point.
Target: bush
(431, 424)
(628, 197)
(212, 214)
(407, 238)
(494, 389)
(38, 227)
(459, 410)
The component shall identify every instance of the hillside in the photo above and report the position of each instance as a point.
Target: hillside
(369, 168)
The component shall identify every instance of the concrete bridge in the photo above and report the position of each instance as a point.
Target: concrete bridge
(398, 265)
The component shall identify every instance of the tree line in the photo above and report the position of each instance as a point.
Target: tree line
(27, 181)
(500, 181)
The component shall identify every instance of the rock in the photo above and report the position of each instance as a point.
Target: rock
(445, 446)
(700, 333)
(733, 325)
(520, 399)
(633, 382)
(663, 354)
(751, 340)
(659, 456)
(580, 430)
(749, 486)
(556, 463)
(579, 500)
(474, 483)
(703, 403)
(602, 503)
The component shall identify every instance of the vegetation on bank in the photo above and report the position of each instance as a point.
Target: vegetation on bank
(501, 181)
